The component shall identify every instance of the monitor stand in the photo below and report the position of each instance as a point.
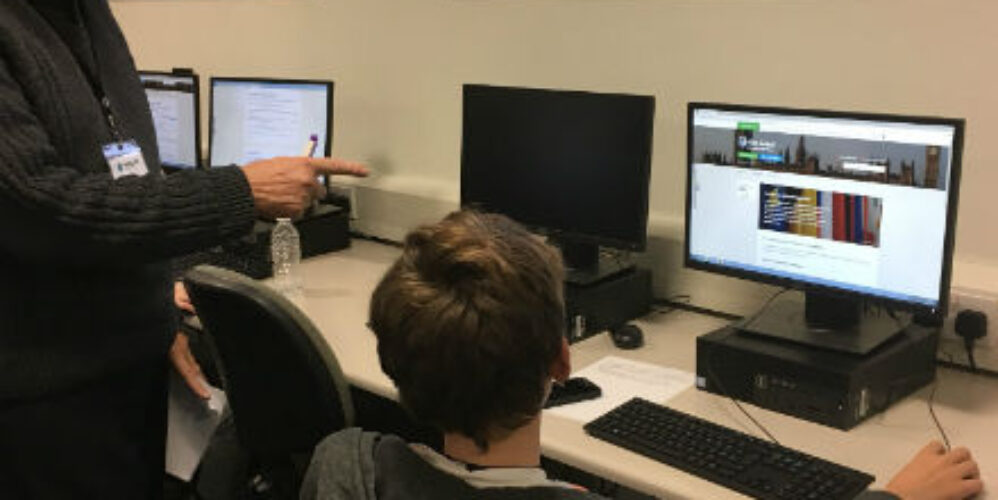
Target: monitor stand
(584, 265)
(825, 321)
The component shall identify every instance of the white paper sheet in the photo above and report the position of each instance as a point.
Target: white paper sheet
(620, 380)
(191, 421)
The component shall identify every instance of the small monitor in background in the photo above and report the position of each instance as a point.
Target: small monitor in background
(254, 119)
(174, 103)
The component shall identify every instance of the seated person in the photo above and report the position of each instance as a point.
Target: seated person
(470, 322)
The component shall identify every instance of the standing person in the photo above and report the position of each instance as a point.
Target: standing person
(86, 309)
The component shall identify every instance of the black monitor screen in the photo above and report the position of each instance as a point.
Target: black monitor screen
(571, 164)
(856, 203)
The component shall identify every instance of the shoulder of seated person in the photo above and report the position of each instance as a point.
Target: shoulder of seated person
(345, 441)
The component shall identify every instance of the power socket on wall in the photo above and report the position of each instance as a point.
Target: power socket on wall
(346, 192)
(978, 300)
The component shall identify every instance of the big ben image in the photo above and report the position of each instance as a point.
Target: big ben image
(932, 167)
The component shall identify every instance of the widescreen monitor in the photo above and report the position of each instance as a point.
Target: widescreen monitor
(174, 103)
(849, 204)
(254, 119)
(573, 165)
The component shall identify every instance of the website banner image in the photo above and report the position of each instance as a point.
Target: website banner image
(887, 162)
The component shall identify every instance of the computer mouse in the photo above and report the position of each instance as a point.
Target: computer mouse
(627, 336)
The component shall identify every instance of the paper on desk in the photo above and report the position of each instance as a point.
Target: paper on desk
(191, 421)
(622, 379)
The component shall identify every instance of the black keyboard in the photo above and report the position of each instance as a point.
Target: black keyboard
(744, 463)
(245, 258)
(248, 254)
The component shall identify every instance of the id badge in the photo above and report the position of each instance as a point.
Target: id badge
(125, 158)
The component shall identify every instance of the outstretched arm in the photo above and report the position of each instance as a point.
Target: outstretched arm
(53, 210)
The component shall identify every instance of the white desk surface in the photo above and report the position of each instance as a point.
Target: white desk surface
(337, 292)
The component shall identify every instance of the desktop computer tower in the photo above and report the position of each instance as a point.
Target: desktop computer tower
(832, 388)
(324, 229)
(594, 307)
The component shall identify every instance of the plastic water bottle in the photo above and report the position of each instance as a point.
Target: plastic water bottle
(285, 253)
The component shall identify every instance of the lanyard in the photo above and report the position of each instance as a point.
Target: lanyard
(105, 102)
(93, 78)
(105, 105)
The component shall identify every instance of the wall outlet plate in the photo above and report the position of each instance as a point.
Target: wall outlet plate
(962, 298)
(348, 192)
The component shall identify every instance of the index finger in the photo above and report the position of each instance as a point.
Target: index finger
(958, 455)
(934, 447)
(337, 166)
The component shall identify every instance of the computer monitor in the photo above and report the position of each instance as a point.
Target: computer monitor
(256, 118)
(573, 165)
(849, 207)
(174, 102)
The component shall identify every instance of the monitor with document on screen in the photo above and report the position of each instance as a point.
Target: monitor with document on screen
(254, 119)
(174, 104)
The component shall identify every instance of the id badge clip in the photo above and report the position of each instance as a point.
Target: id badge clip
(125, 158)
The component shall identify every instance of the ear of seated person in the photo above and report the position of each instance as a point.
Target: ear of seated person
(469, 323)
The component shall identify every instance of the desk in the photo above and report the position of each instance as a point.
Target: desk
(337, 291)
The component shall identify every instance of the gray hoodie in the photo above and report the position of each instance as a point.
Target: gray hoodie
(355, 465)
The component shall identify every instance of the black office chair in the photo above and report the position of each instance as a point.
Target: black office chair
(284, 385)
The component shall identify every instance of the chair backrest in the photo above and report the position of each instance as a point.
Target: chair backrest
(283, 383)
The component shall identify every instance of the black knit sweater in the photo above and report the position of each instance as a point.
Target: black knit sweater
(85, 291)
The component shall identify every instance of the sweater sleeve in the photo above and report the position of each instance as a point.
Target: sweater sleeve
(51, 210)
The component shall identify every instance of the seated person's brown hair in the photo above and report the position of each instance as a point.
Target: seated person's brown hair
(469, 321)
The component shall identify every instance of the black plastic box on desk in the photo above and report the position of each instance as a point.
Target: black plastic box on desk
(832, 388)
(608, 303)
(325, 229)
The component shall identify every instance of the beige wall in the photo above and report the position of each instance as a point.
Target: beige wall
(399, 66)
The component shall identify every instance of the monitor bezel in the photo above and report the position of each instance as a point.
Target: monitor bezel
(330, 88)
(951, 211)
(558, 234)
(199, 162)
